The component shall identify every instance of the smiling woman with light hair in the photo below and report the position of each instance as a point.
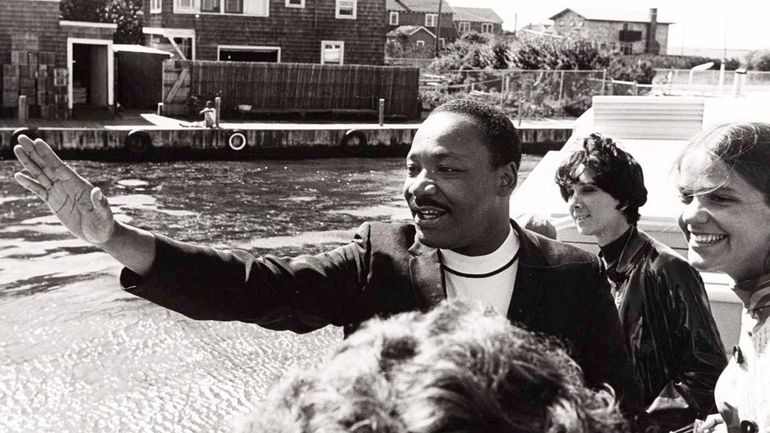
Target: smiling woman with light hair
(455, 369)
(723, 177)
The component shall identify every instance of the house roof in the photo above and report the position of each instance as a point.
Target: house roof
(408, 30)
(484, 15)
(634, 16)
(418, 6)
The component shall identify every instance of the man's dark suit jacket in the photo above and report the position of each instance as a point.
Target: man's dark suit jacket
(560, 290)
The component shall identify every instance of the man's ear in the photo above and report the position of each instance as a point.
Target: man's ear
(509, 176)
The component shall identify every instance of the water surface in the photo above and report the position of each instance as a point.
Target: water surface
(77, 354)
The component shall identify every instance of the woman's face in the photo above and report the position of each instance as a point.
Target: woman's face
(594, 211)
(725, 220)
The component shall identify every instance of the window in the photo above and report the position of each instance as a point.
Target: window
(257, 8)
(420, 43)
(332, 52)
(233, 6)
(184, 6)
(463, 27)
(393, 21)
(487, 28)
(209, 5)
(430, 20)
(295, 3)
(155, 6)
(572, 23)
(345, 9)
(442, 42)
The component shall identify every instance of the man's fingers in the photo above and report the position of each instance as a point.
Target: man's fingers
(29, 146)
(47, 155)
(31, 184)
(34, 169)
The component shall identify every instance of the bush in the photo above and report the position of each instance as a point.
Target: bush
(759, 60)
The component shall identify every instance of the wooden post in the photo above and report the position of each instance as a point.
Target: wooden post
(381, 111)
(23, 109)
(218, 108)
(160, 109)
(636, 89)
(561, 84)
(604, 79)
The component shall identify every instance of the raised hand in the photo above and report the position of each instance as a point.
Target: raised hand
(80, 206)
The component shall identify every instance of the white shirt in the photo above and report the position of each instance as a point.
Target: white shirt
(494, 290)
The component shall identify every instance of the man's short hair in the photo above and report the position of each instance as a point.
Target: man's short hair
(455, 369)
(499, 133)
(613, 170)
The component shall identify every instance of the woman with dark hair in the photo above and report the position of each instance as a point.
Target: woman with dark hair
(455, 369)
(723, 177)
(664, 311)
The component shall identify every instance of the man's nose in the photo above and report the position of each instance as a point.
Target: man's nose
(423, 184)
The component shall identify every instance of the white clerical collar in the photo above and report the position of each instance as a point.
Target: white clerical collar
(491, 263)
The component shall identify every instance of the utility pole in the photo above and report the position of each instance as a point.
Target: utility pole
(438, 28)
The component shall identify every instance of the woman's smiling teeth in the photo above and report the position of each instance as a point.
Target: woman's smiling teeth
(706, 238)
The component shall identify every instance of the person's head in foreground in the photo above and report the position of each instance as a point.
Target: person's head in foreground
(454, 369)
(461, 171)
(604, 188)
(723, 178)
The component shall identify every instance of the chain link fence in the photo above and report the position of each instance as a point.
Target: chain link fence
(529, 94)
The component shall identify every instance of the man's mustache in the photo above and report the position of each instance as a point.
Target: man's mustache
(420, 202)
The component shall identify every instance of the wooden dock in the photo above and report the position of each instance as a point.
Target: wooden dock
(165, 138)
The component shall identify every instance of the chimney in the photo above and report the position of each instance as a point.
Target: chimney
(653, 47)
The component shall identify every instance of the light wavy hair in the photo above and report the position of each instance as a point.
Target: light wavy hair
(455, 369)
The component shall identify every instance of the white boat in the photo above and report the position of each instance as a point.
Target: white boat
(654, 129)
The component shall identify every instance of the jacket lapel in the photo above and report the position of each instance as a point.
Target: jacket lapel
(631, 306)
(527, 291)
(426, 275)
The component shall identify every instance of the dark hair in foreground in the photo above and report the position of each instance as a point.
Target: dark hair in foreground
(742, 147)
(613, 170)
(455, 369)
(498, 130)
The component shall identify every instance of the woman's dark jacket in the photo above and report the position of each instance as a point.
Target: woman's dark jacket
(671, 335)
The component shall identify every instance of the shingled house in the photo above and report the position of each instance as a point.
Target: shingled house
(306, 31)
(482, 20)
(628, 31)
(56, 64)
(422, 13)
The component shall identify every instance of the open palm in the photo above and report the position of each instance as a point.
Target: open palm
(79, 206)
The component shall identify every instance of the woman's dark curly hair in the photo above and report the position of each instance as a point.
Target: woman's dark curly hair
(455, 369)
(613, 170)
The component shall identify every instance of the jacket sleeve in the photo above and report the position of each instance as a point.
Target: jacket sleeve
(695, 343)
(299, 294)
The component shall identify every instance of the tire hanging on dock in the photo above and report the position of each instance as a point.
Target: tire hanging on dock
(29, 132)
(353, 137)
(138, 142)
(237, 140)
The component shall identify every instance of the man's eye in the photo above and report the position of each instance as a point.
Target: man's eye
(685, 198)
(445, 169)
(716, 198)
(413, 170)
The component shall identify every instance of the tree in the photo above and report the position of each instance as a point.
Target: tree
(127, 14)
(83, 10)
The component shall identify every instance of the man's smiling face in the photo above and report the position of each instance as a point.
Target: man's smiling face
(458, 200)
